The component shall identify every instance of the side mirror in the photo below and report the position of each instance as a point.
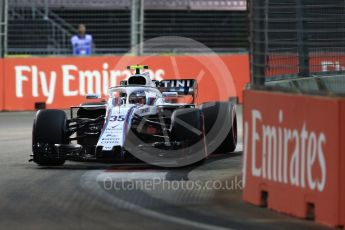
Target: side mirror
(93, 96)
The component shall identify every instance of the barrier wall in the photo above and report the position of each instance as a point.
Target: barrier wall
(62, 82)
(342, 165)
(294, 154)
(2, 90)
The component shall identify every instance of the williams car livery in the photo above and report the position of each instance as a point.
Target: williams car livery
(139, 118)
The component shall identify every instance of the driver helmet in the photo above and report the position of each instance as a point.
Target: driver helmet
(138, 97)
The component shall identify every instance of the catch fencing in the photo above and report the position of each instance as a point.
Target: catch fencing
(44, 27)
(292, 39)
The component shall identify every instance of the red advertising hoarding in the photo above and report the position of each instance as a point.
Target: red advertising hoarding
(62, 82)
(289, 63)
(294, 154)
(2, 90)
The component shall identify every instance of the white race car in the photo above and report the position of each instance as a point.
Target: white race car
(154, 121)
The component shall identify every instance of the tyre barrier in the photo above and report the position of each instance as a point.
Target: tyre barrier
(294, 155)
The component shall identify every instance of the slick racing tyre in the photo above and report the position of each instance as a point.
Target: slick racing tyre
(49, 128)
(230, 142)
(218, 115)
(186, 124)
(187, 128)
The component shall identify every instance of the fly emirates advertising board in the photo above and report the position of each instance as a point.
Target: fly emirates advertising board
(63, 82)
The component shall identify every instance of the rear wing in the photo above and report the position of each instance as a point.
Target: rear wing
(183, 87)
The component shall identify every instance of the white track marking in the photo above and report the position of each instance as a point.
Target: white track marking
(89, 182)
(130, 175)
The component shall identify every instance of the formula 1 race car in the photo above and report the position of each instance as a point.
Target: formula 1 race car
(155, 121)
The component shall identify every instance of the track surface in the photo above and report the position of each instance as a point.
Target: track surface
(95, 196)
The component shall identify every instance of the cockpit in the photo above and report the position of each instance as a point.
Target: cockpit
(134, 95)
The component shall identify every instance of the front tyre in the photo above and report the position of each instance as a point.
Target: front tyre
(187, 128)
(230, 142)
(186, 124)
(220, 116)
(49, 128)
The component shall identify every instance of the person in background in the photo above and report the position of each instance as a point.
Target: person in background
(82, 43)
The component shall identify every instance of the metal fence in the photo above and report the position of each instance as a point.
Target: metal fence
(44, 27)
(292, 39)
(3, 27)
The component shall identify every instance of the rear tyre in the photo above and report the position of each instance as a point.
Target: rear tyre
(218, 115)
(49, 128)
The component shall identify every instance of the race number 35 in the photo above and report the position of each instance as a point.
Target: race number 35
(117, 118)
